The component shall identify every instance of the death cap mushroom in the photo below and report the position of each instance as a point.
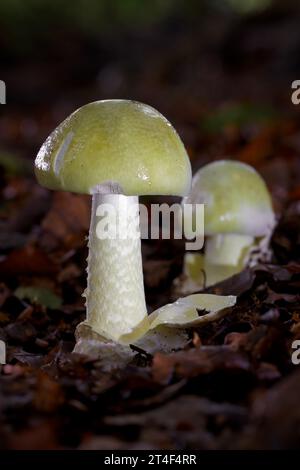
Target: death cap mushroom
(239, 220)
(115, 150)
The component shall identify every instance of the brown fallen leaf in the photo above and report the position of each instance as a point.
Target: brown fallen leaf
(260, 147)
(198, 361)
(21, 332)
(33, 207)
(184, 420)
(29, 260)
(275, 298)
(67, 221)
(41, 435)
(275, 420)
(286, 237)
(235, 285)
(48, 394)
(267, 372)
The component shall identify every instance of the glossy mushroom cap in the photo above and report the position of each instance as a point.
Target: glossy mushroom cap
(115, 143)
(236, 199)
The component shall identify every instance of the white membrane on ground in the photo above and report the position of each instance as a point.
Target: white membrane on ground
(164, 330)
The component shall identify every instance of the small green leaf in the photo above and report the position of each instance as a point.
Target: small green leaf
(239, 114)
(15, 165)
(39, 295)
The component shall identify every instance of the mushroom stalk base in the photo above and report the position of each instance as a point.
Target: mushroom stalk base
(228, 249)
(115, 297)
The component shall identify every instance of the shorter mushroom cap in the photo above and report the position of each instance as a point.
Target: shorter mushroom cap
(118, 143)
(236, 199)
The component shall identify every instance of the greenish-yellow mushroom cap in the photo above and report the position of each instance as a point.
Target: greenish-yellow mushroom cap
(236, 199)
(115, 141)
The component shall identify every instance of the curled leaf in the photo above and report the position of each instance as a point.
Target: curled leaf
(164, 330)
(185, 311)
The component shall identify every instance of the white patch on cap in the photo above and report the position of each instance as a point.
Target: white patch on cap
(143, 174)
(152, 112)
(42, 161)
(61, 153)
(256, 221)
(146, 109)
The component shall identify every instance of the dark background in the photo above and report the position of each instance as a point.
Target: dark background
(207, 65)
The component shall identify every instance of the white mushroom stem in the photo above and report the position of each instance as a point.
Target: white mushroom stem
(228, 249)
(115, 297)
